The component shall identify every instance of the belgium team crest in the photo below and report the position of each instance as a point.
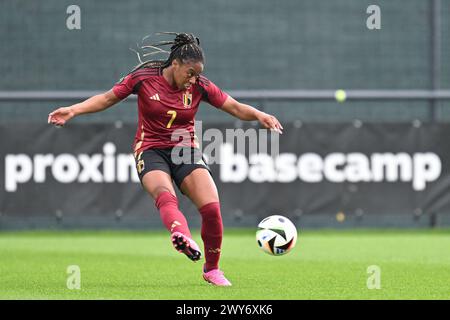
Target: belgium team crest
(187, 100)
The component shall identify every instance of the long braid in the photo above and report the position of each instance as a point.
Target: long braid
(185, 47)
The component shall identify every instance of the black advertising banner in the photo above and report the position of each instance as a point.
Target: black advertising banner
(87, 171)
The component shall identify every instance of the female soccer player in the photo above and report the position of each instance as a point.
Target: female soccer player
(169, 93)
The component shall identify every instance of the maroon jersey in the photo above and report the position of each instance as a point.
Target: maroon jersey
(163, 108)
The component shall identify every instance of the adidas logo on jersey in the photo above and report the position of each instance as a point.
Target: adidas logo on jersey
(155, 97)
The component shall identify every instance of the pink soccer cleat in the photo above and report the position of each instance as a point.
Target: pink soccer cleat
(186, 245)
(216, 278)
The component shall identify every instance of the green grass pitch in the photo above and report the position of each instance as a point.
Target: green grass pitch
(414, 264)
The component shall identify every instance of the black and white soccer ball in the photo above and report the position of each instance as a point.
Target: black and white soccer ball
(276, 235)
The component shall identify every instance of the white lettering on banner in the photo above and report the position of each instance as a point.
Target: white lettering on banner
(125, 166)
(392, 163)
(41, 162)
(333, 167)
(282, 164)
(90, 166)
(109, 160)
(310, 167)
(108, 167)
(235, 168)
(18, 169)
(65, 168)
(262, 168)
(69, 168)
(427, 167)
(419, 168)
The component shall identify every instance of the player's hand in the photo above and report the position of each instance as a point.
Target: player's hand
(60, 116)
(270, 122)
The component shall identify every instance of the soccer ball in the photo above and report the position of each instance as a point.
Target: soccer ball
(276, 235)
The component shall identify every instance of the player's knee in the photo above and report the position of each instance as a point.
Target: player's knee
(160, 190)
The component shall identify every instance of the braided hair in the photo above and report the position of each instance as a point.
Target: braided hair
(185, 47)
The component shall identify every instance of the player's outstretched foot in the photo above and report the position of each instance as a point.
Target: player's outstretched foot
(216, 278)
(186, 245)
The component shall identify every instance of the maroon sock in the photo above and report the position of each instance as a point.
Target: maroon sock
(212, 229)
(171, 216)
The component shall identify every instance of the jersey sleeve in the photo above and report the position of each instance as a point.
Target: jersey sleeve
(124, 87)
(212, 94)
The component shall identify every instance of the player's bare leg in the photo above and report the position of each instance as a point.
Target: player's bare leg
(201, 189)
(159, 185)
(157, 181)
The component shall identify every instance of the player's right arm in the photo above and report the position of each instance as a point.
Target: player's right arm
(97, 103)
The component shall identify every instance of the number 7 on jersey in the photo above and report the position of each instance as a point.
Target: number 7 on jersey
(173, 113)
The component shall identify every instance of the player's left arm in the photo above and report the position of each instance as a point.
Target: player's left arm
(248, 113)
